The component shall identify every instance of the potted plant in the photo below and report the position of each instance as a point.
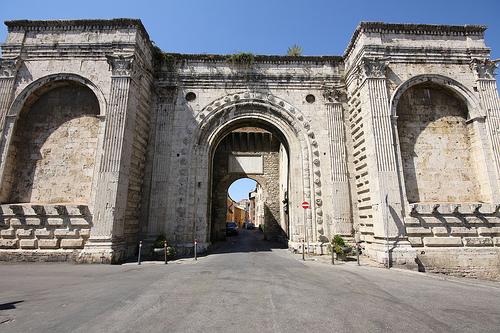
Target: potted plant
(340, 248)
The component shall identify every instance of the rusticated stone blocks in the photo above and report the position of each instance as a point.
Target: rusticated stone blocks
(44, 227)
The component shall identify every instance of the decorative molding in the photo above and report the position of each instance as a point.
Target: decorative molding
(484, 68)
(71, 25)
(121, 65)
(334, 94)
(9, 66)
(414, 29)
(372, 67)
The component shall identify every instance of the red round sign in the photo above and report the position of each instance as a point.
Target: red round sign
(305, 205)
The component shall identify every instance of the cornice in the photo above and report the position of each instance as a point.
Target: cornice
(259, 58)
(414, 29)
(78, 25)
(419, 55)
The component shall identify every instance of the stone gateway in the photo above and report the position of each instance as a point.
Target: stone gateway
(106, 140)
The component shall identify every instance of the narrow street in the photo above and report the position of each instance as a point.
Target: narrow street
(245, 285)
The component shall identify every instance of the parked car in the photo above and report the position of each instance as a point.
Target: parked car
(231, 229)
(250, 226)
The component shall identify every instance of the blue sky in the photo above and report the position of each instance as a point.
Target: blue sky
(321, 27)
(240, 188)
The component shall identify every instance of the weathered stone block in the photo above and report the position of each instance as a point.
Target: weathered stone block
(28, 210)
(8, 233)
(27, 243)
(33, 221)
(73, 210)
(411, 220)
(24, 233)
(55, 221)
(440, 231)
(463, 231)
(43, 233)
(71, 243)
(6, 210)
(418, 231)
(416, 241)
(442, 241)
(15, 222)
(8, 243)
(63, 233)
(48, 243)
(477, 241)
(51, 210)
(84, 233)
(491, 231)
(78, 221)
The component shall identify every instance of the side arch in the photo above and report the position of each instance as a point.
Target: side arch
(423, 144)
(461, 92)
(30, 95)
(46, 81)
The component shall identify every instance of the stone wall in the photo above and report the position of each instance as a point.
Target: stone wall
(54, 148)
(437, 155)
(43, 232)
(407, 106)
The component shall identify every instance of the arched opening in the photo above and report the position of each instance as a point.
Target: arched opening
(238, 202)
(440, 147)
(52, 151)
(258, 153)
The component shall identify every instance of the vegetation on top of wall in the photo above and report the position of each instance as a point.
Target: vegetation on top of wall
(242, 58)
(294, 51)
(160, 58)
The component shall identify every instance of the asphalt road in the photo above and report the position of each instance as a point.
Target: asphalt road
(248, 285)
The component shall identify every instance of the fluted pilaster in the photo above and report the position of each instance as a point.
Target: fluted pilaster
(387, 213)
(8, 72)
(338, 164)
(488, 94)
(115, 162)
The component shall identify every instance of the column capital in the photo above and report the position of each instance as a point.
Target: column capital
(121, 65)
(371, 67)
(334, 94)
(484, 68)
(9, 66)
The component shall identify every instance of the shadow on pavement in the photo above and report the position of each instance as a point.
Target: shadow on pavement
(9, 306)
(246, 241)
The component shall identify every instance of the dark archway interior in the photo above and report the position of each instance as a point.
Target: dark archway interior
(257, 150)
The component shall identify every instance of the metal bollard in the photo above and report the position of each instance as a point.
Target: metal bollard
(195, 249)
(357, 253)
(333, 254)
(165, 250)
(139, 255)
(303, 250)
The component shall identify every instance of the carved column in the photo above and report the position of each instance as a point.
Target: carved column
(159, 199)
(8, 72)
(484, 70)
(106, 242)
(338, 162)
(381, 155)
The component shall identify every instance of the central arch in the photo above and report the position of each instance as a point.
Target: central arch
(277, 116)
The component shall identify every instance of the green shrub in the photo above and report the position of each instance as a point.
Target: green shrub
(242, 58)
(159, 242)
(339, 246)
